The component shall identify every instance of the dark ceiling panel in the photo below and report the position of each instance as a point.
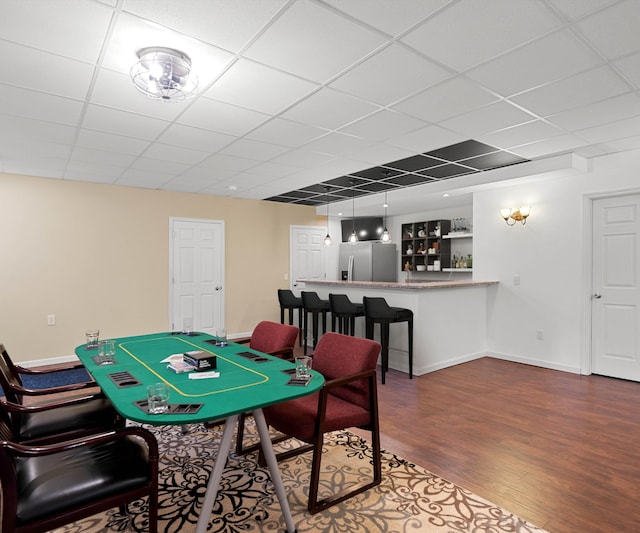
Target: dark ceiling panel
(463, 150)
(449, 170)
(493, 160)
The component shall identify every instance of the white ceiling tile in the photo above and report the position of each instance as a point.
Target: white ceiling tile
(383, 125)
(228, 163)
(487, 119)
(72, 28)
(29, 129)
(612, 131)
(286, 132)
(575, 9)
(390, 17)
(257, 150)
(40, 106)
(522, 69)
(427, 139)
(329, 109)
(558, 144)
(379, 154)
(302, 158)
(447, 99)
(522, 134)
(41, 71)
(624, 17)
(602, 112)
(101, 157)
(122, 123)
(306, 28)
(622, 145)
(272, 170)
(110, 142)
(96, 171)
(630, 68)
(226, 23)
(15, 146)
(492, 28)
(337, 144)
(196, 138)
(161, 166)
(221, 117)
(44, 167)
(391, 75)
(248, 84)
(581, 89)
(177, 154)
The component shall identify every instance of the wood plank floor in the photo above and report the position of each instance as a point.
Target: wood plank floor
(558, 449)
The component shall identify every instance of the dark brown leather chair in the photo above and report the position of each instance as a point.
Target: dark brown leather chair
(344, 312)
(46, 487)
(347, 399)
(318, 308)
(291, 302)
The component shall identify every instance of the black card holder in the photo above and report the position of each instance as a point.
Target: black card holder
(124, 379)
(253, 357)
(173, 408)
(299, 382)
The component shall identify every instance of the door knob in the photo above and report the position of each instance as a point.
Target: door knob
(597, 296)
(218, 287)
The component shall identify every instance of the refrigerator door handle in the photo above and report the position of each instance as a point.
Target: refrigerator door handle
(350, 269)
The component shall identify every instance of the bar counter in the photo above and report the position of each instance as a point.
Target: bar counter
(450, 318)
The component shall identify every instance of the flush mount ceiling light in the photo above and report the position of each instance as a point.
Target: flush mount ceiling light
(164, 74)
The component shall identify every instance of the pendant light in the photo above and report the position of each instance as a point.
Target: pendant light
(327, 239)
(353, 238)
(386, 236)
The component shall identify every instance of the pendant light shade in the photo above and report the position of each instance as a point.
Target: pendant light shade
(386, 236)
(327, 239)
(353, 238)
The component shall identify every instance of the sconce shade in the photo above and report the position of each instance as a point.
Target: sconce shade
(516, 214)
(164, 74)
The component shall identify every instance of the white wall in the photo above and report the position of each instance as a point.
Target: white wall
(548, 254)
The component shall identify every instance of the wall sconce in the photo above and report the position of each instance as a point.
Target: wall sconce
(516, 214)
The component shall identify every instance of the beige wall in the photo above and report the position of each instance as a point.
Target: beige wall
(97, 256)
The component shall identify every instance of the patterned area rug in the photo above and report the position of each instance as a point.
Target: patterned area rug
(409, 498)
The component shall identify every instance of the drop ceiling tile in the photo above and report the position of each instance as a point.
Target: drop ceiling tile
(462, 150)
(493, 160)
(48, 26)
(221, 117)
(14, 147)
(630, 68)
(555, 145)
(110, 142)
(603, 112)
(493, 27)
(378, 186)
(574, 10)
(96, 171)
(522, 134)
(229, 25)
(302, 158)
(447, 99)
(39, 106)
(379, 153)
(288, 133)
(449, 170)
(277, 90)
(408, 180)
(624, 17)
(390, 17)
(196, 138)
(329, 109)
(426, 139)
(337, 144)
(38, 70)
(612, 131)
(382, 173)
(306, 28)
(257, 150)
(44, 167)
(391, 75)
(162, 166)
(383, 125)
(36, 130)
(271, 169)
(122, 123)
(98, 157)
(487, 119)
(346, 181)
(135, 177)
(522, 69)
(228, 163)
(176, 154)
(569, 93)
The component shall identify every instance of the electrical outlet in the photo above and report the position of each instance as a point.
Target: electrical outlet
(540, 335)
(516, 279)
(51, 320)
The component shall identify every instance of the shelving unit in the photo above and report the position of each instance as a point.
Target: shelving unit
(461, 247)
(423, 245)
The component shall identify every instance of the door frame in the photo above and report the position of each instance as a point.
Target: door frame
(172, 220)
(586, 359)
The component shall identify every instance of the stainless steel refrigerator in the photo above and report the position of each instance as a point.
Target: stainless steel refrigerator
(368, 261)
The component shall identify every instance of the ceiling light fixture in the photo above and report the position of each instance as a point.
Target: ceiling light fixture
(353, 238)
(164, 74)
(386, 236)
(515, 214)
(327, 239)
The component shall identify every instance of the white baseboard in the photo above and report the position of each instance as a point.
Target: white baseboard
(49, 361)
(534, 362)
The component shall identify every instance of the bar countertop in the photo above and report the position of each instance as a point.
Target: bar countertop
(407, 285)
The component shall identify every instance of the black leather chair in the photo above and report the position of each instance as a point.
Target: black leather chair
(344, 312)
(317, 307)
(291, 302)
(377, 311)
(46, 487)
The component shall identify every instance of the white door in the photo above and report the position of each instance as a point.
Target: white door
(616, 296)
(196, 274)
(307, 255)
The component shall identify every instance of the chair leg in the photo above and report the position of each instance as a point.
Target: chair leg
(315, 317)
(384, 342)
(304, 330)
(410, 326)
(300, 324)
(281, 315)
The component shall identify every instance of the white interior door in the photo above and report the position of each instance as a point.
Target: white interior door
(196, 274)
(307, 255)
(616, 297)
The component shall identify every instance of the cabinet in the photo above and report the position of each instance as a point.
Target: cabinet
(461, 252)
(423, 247)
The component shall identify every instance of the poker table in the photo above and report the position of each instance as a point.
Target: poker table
(248, 381)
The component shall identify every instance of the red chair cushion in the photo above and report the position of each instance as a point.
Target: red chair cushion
(270, 337)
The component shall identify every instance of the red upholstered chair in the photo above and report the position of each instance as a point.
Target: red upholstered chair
(274, 339)
(46, 487)
(347, 399)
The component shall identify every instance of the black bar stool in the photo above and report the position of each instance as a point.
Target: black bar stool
(344, 311)
(290, 301)
(316, 306)
(376, 310)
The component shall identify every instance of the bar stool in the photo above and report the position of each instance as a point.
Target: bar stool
(290, 301)
(316, 306)
(344, 311)
(376, 310)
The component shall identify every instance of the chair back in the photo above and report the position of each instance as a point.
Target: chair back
(338, 355)
(270, 337)
(311, 300)
(340, 304)
(377, 308)
(288, 299)
(13, 370)
(9, 380)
